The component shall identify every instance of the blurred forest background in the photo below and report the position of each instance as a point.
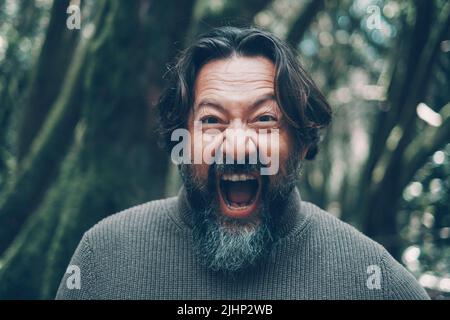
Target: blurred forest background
(77, 128)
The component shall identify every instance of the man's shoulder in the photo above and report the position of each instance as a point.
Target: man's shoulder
(135, 220)
(354, 253)
(336, 231)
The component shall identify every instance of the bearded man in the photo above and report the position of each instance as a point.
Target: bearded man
(238, 228)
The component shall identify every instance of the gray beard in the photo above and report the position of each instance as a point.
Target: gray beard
(229, 245)
(225, 245)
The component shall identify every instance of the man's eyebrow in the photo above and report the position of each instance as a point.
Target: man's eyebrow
(215, 104)
(262, 99)
(209, 103)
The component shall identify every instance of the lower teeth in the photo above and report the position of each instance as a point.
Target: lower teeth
(238, 205)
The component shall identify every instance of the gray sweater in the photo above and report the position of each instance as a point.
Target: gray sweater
(146, 252)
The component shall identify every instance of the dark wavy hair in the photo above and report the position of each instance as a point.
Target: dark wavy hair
(302, 104)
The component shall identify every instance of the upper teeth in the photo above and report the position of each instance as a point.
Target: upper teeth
(238, 177)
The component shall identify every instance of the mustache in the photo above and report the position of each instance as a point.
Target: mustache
(215, 169)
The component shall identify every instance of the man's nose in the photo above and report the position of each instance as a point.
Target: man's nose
(240, 143)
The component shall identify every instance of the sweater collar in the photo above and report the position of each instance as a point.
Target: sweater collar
(291, 214)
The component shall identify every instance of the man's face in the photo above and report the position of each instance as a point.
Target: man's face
(235, 207)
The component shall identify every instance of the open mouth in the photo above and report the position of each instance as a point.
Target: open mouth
(239, 193)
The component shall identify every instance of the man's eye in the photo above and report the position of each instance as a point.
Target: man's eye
(266, 118)
(210, 120)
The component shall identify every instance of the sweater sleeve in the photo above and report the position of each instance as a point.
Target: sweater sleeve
(399, 283)
(78, 281)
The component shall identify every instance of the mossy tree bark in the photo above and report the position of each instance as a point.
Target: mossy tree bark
(57, 51)
(113, 161)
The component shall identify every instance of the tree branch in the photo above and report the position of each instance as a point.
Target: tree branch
(422, 149)
(303, 21)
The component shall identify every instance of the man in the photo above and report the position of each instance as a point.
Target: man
(238, 228)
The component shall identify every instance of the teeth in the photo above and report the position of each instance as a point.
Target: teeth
(233, 205)
(237, 177)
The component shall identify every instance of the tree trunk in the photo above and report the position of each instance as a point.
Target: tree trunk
(303, 21)
(114, 162)
(57, 51)
(22, 195)
(381, 223)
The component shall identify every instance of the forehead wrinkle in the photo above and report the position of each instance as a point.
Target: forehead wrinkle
(219, 82)
(236, 77)
(224, 97)
(245, 90)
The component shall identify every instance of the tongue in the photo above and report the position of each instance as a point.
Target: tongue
(239, 192)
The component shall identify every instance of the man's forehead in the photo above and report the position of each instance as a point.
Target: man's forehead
(236, 78)
(237, 67)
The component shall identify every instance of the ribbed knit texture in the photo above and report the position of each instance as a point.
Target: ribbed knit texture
(146, 252)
